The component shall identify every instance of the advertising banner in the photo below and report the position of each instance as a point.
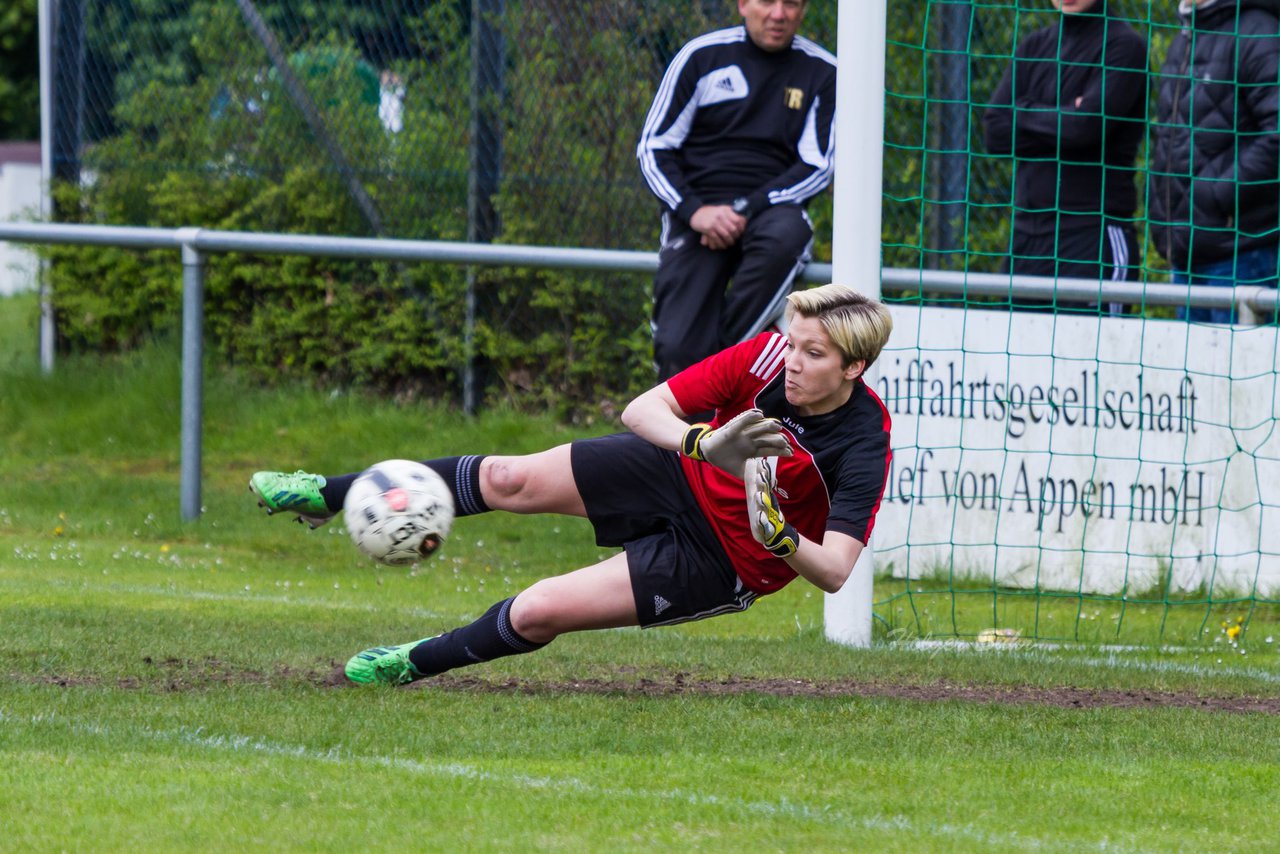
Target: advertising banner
(1082, 454)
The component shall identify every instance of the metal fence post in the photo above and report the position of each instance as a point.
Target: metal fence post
(192, 370)
(1245, 312)
(856, 246)
(46, 17)
(488, 83)
(949, 170)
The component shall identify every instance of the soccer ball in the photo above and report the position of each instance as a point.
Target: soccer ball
(398, 512)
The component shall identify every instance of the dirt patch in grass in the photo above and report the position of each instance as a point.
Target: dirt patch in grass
(679, 683)
(174, 674)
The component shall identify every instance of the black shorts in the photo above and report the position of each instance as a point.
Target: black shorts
(637, 497)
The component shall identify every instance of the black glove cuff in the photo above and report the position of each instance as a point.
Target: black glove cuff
(786, 543)
(689, 445)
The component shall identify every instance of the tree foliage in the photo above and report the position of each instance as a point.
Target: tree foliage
(19, 71)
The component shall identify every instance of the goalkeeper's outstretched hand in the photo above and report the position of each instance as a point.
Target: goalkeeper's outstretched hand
(768, 526)
(748, 434)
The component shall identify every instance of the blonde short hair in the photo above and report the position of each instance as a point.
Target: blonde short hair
(858, 325)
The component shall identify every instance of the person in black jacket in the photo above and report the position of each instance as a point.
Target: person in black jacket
(1071, 109)
(739, 138)
(1214, 188)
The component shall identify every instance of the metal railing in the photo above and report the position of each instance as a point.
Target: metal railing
(195, 243)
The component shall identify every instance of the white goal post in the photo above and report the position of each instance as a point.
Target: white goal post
(860, 52)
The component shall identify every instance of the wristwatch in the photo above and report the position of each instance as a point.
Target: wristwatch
(742, 206)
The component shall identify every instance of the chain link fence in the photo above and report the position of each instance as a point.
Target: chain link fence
(489, 120)
(502, 119)
(513, 121)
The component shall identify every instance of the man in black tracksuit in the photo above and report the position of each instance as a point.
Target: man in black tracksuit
(1214, 188)
(1071, 109)
(739, 138)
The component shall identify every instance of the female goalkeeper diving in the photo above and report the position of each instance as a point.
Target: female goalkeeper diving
(785, 481)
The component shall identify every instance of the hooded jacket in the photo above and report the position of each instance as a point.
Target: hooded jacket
(1071, 108)
(1214, 186)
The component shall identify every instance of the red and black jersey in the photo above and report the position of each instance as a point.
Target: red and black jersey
(834, 480)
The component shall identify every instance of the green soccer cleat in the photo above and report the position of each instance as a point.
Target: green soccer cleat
(292, 493)
(385, 665)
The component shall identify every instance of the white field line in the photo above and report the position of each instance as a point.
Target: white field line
(779, 809)
(1114, 658)
(1018, 643)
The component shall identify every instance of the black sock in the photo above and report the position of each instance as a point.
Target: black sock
(462, 474)
(492, 636)
(335, 489)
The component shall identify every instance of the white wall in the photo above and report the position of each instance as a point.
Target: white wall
(19, 200)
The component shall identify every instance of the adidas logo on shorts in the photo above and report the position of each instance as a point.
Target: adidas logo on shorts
(660, 605)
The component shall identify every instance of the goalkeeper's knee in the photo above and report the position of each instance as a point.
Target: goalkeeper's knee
(507, 477)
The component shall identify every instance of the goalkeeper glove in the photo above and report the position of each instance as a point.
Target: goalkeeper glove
(768, 526)
(728, 447)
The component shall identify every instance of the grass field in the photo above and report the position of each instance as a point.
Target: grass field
(167, 686)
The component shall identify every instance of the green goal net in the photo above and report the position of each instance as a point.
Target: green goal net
(1067, 466)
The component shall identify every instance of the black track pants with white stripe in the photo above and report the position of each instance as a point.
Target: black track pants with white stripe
(705, 300)
(1109, 252)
